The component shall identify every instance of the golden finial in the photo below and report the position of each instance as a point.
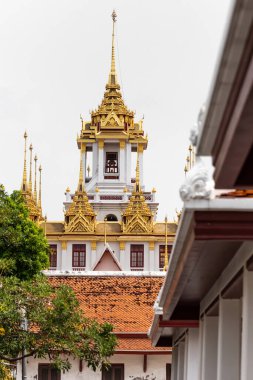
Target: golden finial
(113, 76)
(88, 170)
(125, 189)
(166, 259)
(68, 190)
(154, 190)
(24, 180)
(39, 200)
(30, 174)
(80, 182)
(97, 190)
(35, 178)
(137, 178)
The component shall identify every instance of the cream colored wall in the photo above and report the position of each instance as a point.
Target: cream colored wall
(133, 368)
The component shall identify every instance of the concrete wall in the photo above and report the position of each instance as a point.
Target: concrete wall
(133, 367)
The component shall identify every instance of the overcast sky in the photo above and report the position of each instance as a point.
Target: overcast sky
(55, 58)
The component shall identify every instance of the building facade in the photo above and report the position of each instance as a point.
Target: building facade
(109, 247)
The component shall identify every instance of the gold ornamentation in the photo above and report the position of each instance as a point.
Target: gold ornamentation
(151, 245)
(93, 245)
(122, 144)
(101, 144)
(80, 216)
(64, 245)
(140, 148)
(122, 245)
(35, 212)
(137, 217)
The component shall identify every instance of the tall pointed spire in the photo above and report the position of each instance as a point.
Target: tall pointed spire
(24, 179)
(137, 178)
(113, 75)
(30, 174)
(80, 181)
(39, 199)
(35, 178)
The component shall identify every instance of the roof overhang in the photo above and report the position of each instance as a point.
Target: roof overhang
(226, 134)
(209, 235)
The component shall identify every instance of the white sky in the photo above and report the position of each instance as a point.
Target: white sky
(55, 57)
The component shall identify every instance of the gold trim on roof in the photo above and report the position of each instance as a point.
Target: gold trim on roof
(137, 217)
(80, 216)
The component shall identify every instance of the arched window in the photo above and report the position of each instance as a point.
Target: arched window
(111, 218)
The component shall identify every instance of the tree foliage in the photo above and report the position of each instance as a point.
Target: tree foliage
(23, 247)
(56, 325)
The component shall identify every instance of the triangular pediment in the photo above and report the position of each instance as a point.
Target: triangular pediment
(112, 121)
(107, 261)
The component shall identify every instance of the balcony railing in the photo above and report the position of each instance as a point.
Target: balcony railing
(137, 269)
(78, 269)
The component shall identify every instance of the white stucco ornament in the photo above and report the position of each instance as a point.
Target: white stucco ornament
(198, 182)
(195, 131)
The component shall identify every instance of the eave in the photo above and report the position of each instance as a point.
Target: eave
(209, 234)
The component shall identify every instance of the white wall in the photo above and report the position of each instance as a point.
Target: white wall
(133, 367)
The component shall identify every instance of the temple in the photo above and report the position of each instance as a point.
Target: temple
(109, 245)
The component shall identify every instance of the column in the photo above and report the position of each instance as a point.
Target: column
(151, 255)
(174, 365)
(84, 159)
(122, 255)
(128, 164)
(100, 161)
(93, 253)
(228, 367)
(247, 326)
(192, 355)
(64, 264)
(140, 150)
(122, 146)
(94, 159)
(88, 257)
(209, 348)
(180, 361)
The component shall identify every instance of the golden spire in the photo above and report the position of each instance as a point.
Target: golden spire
(113, 76)
(166, 259)
(30, 174)
(24, 180)
(80, 181)
(137, 179)
(35, 178)
(39, 200)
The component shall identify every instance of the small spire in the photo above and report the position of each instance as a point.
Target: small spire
(39, 200)
(35, 178)
(113, 76)
(137, 178)
(24, 180)
(30, 174)
(80, 182)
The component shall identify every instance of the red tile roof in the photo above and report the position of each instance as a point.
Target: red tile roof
(138, 344)
(238, 194)
(124, 301)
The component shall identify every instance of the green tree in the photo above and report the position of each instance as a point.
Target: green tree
(56, 325)
(23, 247)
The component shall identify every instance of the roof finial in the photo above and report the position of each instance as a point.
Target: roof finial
(35, 178)
(30, 174)
(80, 182)
(137, 178)
(24, 180)
(39, 200)
(113, 76)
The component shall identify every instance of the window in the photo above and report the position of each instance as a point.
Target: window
(161, 254)
(111, 218)
(78, 255)
(115, 372)
(53, 256)
(168, 371)
(47, 372)
(111, 163)
(137, 256)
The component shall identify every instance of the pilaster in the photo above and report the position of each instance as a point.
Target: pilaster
(140, 150)
(151, 255)
(247, 329)
(122, 154)
(93, 252)
(100, 160)
(209, 348)
(122, 255)
(64, 263)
